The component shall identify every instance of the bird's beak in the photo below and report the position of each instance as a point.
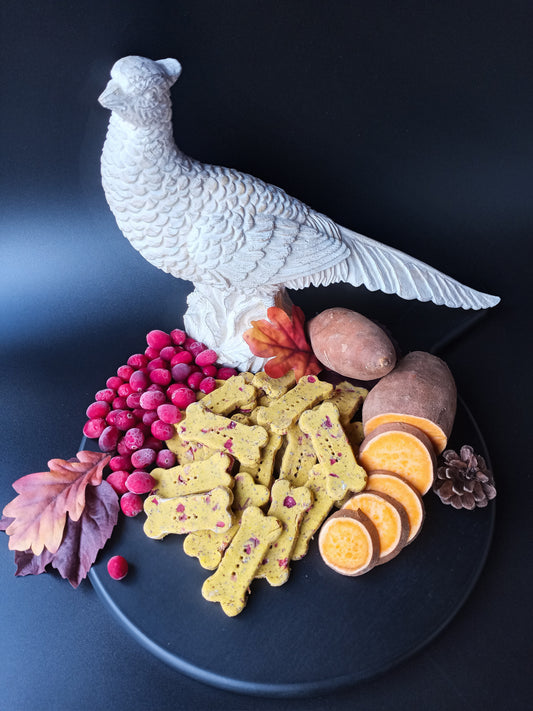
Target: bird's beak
(111, 97)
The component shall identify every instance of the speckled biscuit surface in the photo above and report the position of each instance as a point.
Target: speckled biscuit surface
(193, 478)
(222, 433)
(298, 458)
(333, 450)
(235, 393)
(285, 411)
(289, 505)
(274, 387)
(183, 514)
(208, 546)
(317, 514)
(347, 398)
(230, 582)
(263, 471)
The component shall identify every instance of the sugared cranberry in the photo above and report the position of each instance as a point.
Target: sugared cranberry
(94, 428)
(158, 339)
(117, 567)
(118, 481)
(131, 504)
(168, 413)
(140, 482)
(178, 336)
(165, 459)
(162, 430)
(143, 458)
(206, 357)
(183, 397)
(107, 441)
(100, 408)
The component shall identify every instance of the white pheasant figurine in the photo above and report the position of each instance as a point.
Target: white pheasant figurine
(240, 240)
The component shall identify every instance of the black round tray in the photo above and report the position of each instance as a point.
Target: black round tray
(318, 632)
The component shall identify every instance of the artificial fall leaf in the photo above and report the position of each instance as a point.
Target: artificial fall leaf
(44, 499)
(282, 339)
(81, 541)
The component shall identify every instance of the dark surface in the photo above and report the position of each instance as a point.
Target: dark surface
(410, 123)
(273, 641)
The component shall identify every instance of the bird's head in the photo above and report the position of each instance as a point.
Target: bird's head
(138, 90)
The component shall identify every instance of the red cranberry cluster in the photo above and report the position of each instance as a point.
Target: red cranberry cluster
(137, 410)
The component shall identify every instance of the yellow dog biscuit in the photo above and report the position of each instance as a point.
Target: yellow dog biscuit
(263, 471)
(183, 514)
(333, 450)
(347, 398)
(209, 547)
(289, 505)
(317, 514)
(286, 410)
(298, 457)
(222, 433)
(187, 452)
(193, 478)
(355, 433)
(230, 582)
(274, 387)
(235, 393)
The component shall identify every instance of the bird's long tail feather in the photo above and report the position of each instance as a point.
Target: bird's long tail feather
(386, 269)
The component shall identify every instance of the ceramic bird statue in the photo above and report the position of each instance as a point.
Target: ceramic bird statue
(241, 241)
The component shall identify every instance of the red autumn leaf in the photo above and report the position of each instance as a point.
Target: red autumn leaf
(81, 541)
(44, 499)
(282, 339)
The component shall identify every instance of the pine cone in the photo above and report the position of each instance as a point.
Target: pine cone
(464, 480)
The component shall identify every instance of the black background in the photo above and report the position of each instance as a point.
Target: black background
(409, 122)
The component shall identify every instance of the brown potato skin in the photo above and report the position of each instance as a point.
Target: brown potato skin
(351, 344)
(421, 385)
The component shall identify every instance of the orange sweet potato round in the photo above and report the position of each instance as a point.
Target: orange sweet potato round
(394, 485)
(350, 344)
(389, 517)
(403, 449)
(349, 542)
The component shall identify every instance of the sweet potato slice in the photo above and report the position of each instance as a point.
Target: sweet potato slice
(388, 516)
(421, 392)
(402, 449)
(402, 491)
(349, 542)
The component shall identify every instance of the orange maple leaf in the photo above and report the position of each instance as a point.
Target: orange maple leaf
(45, 498)
(282, 339)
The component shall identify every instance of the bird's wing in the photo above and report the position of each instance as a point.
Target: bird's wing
(263, 249)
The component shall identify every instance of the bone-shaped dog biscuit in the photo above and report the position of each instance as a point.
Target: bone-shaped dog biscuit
(316, 515)
(333, 450)
(286, 410)
(230, 582)
(298, 457)
(209, 547)
(274, 387)
(193, 478)
(183, 514)
(235, 393)
(187, 452)
(347, 398)
(222, 433)
(263, 471)
(289, 505)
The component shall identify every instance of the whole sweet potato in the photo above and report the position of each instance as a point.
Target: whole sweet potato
(351, 344)
(420, 392)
